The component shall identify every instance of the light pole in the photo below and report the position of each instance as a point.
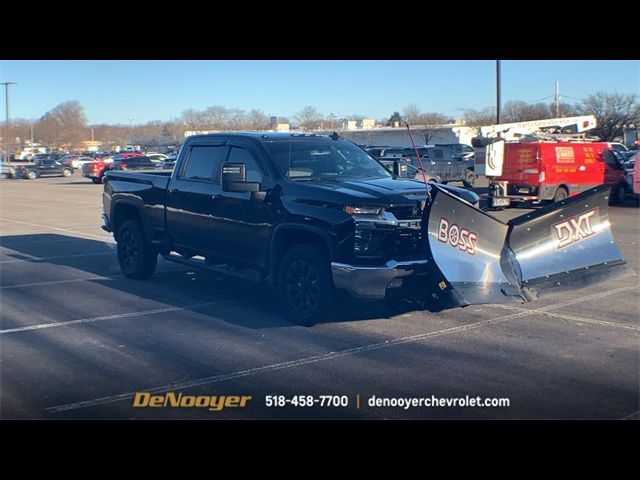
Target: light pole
(6, 124)
(92, 134)
(497, 92)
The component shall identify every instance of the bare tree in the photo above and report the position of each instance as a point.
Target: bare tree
(613, 111)
(479, 118)
(258, 120)
(309, 118)
(216, 117)
(433, 125)
(195, 119)
(411, 113)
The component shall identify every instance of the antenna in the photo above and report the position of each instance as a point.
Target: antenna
(424, 177)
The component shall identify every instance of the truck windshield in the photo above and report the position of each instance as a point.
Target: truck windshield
(305, 160)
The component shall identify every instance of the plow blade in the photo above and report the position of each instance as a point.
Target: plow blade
(479, 259)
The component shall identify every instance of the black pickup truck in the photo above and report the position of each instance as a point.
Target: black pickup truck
(308, 214)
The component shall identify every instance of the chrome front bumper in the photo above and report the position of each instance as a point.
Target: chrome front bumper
(373, 282)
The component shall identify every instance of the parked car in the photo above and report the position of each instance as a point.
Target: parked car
(134, 163)
(41, 168)
(443, 164)
(461, 149)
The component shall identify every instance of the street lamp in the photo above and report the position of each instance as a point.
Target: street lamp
(6, 124)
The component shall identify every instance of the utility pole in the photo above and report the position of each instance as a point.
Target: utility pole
(6, 124)
(557, 99)
(497, 92)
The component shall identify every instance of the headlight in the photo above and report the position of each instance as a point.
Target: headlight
(363, 210)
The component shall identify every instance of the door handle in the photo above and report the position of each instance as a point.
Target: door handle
(174, 190)
(217, 195)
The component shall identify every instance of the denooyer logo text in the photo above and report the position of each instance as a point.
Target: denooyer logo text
(214, 403)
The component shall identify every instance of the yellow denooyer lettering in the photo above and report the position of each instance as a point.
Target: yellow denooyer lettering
(213, 403)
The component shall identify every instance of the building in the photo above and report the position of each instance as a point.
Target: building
(398, 136)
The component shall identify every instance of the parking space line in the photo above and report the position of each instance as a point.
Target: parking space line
(633, 416)
(288, 364)
(71, 280)
(39, 225)
(44, 259)
(323, 357)
(3, 240)
(58, 282)
(106, 317)
(572, 317)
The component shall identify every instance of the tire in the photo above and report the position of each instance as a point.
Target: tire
(618, 195)
(96, 180)
(469, 179)
(136, 257)
(561, 194)
(305, 286)
(67, 172)
(31, 175)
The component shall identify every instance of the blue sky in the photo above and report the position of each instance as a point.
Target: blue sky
(115, 91)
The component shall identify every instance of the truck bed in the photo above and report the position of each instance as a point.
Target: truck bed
(154, 178)
(145, 189)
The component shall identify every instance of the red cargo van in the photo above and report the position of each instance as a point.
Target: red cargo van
(553, 171)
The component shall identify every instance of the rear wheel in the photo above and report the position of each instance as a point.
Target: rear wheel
(305, 285)
(561, 194)
(469, 179)
(619, 195)
(96, 180)
(31, 174)
(136, 257)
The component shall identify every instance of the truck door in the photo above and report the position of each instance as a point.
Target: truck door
(242, 224)
(191, 197)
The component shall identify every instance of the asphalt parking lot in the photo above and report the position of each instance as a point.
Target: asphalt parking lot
(78, 339)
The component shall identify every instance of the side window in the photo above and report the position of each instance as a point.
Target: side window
(244, 156)
(202, 162)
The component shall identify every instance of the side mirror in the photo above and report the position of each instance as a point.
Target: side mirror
(234, 179)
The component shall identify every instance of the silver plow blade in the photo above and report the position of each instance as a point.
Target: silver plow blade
(565, 245)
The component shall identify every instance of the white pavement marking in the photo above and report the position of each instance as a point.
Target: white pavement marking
(574, 318)
(106, 317)
(288, 364)
(40, 225)
(57, 282)
(322, 357)
(86, 279)
(44, 259)
(633, 416)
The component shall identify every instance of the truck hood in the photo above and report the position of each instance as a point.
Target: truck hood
(387, 190)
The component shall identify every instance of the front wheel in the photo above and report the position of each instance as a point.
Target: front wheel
(67, 172)
(561, 194)
(136, 257)
(305, 285)
(96, 180)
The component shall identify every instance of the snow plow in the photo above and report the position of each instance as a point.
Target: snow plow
(479, 259)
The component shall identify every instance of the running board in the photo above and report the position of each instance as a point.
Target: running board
(200, 262)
